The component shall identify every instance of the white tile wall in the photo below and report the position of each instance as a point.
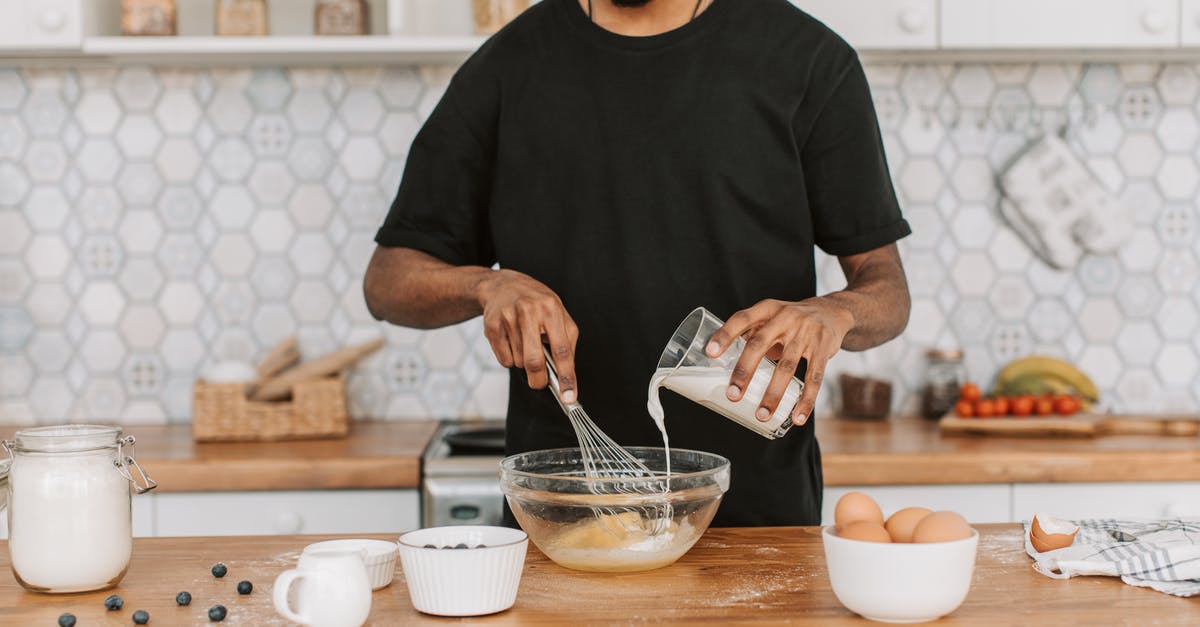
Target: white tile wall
(155, 221)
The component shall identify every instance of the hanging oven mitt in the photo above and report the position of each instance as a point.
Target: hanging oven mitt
(1058, 207)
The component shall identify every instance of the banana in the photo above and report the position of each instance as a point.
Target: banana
(1033, 384)
(1054, 373)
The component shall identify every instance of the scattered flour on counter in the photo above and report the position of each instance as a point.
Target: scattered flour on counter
(767, 550)
(758, 589)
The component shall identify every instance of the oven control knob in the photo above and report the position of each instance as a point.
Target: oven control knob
(288, 522)
(464, 512)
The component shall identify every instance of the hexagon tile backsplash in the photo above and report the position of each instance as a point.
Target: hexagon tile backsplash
(154, 221)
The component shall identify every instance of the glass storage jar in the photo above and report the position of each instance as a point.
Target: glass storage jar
(492, 15)
(945, 375)
(69, 510)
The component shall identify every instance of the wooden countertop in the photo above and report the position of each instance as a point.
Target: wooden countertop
(765, 575)
(374, 455)
(908, 450)
(900, 451)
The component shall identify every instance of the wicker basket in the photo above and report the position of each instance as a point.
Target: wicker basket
(222, 413)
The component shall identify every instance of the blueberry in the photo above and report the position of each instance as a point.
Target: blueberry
(216, 613)
(114, 602)
(461, 545)
(66, 620)
(140, 617)
(431, 546)
(219, 570)
(183, 598)
(244, 587)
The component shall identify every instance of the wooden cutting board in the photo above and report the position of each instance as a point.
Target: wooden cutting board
(1079, 425)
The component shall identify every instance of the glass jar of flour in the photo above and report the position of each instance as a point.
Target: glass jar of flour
(69, 516)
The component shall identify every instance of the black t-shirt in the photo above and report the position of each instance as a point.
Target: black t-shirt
(641, 177)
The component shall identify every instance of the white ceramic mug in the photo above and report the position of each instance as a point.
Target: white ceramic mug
(332, 590)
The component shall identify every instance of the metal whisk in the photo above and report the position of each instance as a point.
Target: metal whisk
(605, 460)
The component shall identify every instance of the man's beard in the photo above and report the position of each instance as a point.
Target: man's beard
(631, 3)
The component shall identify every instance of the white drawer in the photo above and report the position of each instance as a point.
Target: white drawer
(879, 24)
(143, 517)
(1107, 500)
(1060, 23)
(269, 513)
(982, 503)
(41, 23)
(1189, 22)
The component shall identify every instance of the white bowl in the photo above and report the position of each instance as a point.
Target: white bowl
(379, 557)
(467, 581)
(901, 582)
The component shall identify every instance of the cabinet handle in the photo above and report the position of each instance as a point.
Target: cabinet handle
(52, 20)
(913, 21)
(288, 522)
(1155, 22)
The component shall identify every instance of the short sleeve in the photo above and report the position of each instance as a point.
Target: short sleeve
(850, 194)
(441, 207)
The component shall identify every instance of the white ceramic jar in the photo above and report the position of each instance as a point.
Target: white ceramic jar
(69, 512)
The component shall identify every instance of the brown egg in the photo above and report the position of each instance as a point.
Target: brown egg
(941, 527)
(856, 506)
(901, 524)
(865, 531)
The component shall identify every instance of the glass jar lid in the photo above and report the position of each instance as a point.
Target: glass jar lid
(66, 438)
(944, 354)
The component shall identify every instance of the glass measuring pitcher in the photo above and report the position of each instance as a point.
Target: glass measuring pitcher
(686, 369)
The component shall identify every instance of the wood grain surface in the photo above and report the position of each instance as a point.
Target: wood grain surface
(1080, 425)
(732, 576)
(374, 455)
(909, 450)
(898, 451)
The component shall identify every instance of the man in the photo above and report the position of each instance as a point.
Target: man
(625, 161)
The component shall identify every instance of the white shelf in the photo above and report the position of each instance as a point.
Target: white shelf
(285, 49)
(257, 50)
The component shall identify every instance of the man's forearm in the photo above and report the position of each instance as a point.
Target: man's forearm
(876, 296)
(413, 289)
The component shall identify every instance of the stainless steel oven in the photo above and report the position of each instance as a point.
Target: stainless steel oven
(460, 482)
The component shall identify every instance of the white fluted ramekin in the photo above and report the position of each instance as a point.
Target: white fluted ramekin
(379, 557)
(473, 581)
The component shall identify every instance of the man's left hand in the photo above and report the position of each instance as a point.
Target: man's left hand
(811, 329)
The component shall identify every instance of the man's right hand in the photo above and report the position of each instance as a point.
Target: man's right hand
(518, 312)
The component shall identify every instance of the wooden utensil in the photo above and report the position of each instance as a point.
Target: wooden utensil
(283, 356)
(280, 386)
(1083, 425)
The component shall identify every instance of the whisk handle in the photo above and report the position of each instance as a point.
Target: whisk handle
(552, 375)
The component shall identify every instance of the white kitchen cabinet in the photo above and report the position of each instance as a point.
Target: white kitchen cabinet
(879, 24)
(1189, 22)
(1107, 500)
(41, 24)
(981, 503)
(143, 517)
(999, 24)
(285, 512)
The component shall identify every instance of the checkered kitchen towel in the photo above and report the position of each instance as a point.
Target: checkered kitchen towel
(1159, 554)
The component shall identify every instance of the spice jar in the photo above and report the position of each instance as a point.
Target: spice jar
(148, 17)
(341, 17)
(70, 523)
(492, 15)
(244, 18)
(865, 397)
(944, 377)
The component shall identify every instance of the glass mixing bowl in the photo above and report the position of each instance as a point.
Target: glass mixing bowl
(614, 525)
